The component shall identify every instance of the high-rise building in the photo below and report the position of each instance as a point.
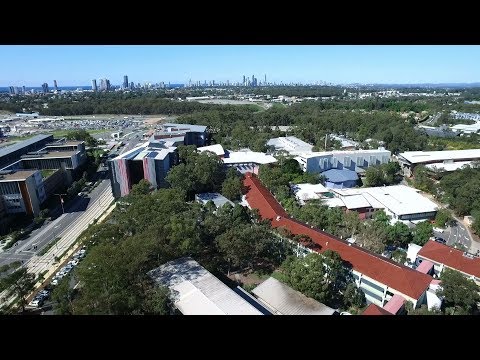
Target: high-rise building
(11, 90)
(45, 88)
(104, 84)
(55, 85)
(265, 82)
(108, 85)
(94, 85)
(132, 86)
(244, 83)
(24, 91)
(125, 81)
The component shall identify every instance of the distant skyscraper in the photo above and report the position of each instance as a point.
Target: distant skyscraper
(94, 85)
(125, 81)
(11, 90)
(45, 88)
(24, 91)
(108, 84)
(132, 86)
(265, 82)
(55, 85)
(104, 85)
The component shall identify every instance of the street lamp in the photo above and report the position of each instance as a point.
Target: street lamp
(61, 202)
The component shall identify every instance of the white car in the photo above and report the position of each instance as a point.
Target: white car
(440, 230)
(55, 281)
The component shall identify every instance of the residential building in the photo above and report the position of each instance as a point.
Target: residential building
(9, 154)
(125, 82)
(218, 199)
(281, 299)
(195, 291)
(340, 178)
(94, 85)
(290, 144)
(448, 159)
(443, 256)
(22, 191)
(55, 85)
(356, 160)
(246, 160)
(400, 202)
(378, 277)
(45, 88)
(150, 161)
(191, 134)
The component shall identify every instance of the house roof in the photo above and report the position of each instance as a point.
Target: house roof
(247, 156)
(287, 301)
(451, 257)
(337, 175)
(399, 277)
(218, 199)
(425, 266)
(394, 304)
(373, 309)
(308, 191)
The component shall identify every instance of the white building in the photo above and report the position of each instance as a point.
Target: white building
(195, 291)
(216, 149)
(305, 192)
(218, 199)
(346, 144)
(356, 160)
(400, 202)
(246, 160)
(290, 144)
(409, 159)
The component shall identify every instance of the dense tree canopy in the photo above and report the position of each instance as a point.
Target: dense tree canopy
(461, 294)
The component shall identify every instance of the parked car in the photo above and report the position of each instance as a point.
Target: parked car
(440, 240)
(55, 281)
(37, 302)
(437, 229)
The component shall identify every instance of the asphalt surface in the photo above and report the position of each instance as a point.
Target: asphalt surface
(456, 234)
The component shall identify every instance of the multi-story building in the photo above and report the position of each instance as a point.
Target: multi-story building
(357, 160)
(150, 161)
(45, 88)
(125, 82)
(290, 144)
(12, 153)
(448, 160)
(378, 277)
(55, 85)
(94, 85)
(22, 191)
(192, 134)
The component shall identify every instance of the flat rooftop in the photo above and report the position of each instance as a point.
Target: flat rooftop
(290, 144)
(184, 127)
(18, 175)
(247, 156)
(344, 153)
(50, 155)
(305, 192)
(216, 149)
(21, 144)
(447, 166)
(418, 157)
(399, 199)
(218, 199)
(197, 292)
(66, 143)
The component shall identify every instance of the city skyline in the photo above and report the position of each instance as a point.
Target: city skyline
(35, 65)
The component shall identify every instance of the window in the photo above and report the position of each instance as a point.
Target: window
(372, 285)
(372, 295)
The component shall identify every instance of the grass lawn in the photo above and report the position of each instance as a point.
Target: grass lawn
(62, 133)
(47, 173)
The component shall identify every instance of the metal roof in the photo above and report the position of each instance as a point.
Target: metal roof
(218, 199)
(418, 157)
(284, 300)
(337, 175)
(21, 144)
(216, 149)
(197, 292)
(185, 127)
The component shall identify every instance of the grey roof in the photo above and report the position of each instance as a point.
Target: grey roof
(21, 144)
(218, 199)
(284, 300)
(337, 175)
(197, 292)
(188, 127)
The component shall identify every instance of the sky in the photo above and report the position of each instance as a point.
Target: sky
(76, 65)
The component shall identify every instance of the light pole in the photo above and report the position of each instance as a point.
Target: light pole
(61, 202)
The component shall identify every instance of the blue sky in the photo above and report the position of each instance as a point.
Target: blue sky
(78, 65)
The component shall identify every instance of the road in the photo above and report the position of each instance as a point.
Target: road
(456, 234)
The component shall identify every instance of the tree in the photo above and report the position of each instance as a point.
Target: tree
(82, 134)
(461, 294)
(19, 284)
(476, 221)
(353, 297)
(63, 296)
(158, 301)
(374, 237)
(142, 188)
(443, 218)
(422, 310)
(399, 235)
(232, 188)
(422, 232)
(421, 180)
(374, 176)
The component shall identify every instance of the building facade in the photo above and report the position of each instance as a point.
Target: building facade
(150, 161)
(22, 192)
(317, 162)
